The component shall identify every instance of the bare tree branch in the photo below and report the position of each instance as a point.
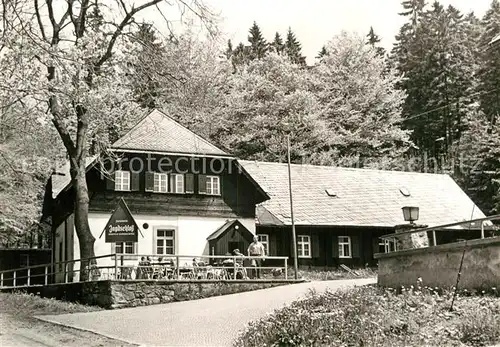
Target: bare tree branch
(55, 27)
(81, 19)
(39, 20)
(121, 26)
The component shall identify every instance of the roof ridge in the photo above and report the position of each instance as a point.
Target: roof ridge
(196, 136)
(344, 168)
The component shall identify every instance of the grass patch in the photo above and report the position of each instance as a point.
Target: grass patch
(328, 275)
(22, 304)
(372, 316)
(322, 275)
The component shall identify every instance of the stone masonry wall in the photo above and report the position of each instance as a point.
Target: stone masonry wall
(117, 294)
(438, 266)
(141, 293)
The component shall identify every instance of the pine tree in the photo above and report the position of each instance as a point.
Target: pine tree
(293, 48)
(95, 17)
(489, 58)
(241, 55)
(373, 40)
(258, 45)
(323, 52)
(145, 84)
(413, 9)
(485, 179)
(229, 50)
(278, 44)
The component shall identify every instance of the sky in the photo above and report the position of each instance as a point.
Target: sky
(315, 22)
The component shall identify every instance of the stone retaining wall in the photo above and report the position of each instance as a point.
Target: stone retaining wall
(117, 294)
(438, 266)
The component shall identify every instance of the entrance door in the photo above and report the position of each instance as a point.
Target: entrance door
(231, 246)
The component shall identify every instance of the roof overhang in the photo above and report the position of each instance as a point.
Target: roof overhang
(192, 155)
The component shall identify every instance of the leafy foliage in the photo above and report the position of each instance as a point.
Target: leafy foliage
(371, 316)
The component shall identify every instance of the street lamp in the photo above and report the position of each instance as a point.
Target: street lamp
(410, 213)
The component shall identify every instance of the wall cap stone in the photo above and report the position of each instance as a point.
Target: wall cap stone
(479, 243)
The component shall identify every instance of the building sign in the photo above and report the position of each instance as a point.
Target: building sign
(121, 225)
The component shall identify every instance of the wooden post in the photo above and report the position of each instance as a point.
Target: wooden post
(234, 267)
(1, 279)
(294, 237)
(482, 229)
(434, 242)
(14, 282)
(177, 270)
(46, 272)
(116, 267)
(29, 276)
(286, 268)
(66, 273)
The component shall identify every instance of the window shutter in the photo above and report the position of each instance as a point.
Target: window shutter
(150, 182)
(202, 184)
(335, 246)
(171, 183)
(189, 181)
(315, 245)
(110, 181)
(375, 246)
(134, 181)
(355, 245)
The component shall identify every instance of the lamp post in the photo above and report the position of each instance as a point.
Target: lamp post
(294, 237)
(410, 213)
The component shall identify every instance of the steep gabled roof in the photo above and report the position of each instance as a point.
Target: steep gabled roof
(225, 227)
(357, 197)
(158, 132)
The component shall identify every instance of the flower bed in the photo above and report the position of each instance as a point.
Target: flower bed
(372, 316)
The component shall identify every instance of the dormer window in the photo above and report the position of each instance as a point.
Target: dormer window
(122, 180)
(404, 191)
(330, 192)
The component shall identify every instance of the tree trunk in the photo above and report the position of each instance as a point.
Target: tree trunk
(85, 237)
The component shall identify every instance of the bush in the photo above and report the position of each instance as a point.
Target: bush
(371, 316)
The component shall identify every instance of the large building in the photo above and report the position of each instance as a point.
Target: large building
(339, 213)
(188, 197)
(179, 188)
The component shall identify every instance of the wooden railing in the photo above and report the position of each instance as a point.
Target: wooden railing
(46, 272)
(394, 237)
(119, 267)
(172, 267)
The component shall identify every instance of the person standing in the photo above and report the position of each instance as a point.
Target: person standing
(257, 249)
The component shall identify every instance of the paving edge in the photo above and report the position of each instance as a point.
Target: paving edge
(46, 320)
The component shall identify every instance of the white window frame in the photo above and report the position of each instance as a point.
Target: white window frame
(177, 181)
(388, 243)
(124, 244)
(160, 184)
(165, 238)
(303, 240)
(382, 243)
(213, 182)
(264, 239)
(345, 241)
(122, 181)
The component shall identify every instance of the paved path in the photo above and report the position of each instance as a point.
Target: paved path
(212, 321)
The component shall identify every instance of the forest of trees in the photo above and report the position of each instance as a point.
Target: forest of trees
(431, 103)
